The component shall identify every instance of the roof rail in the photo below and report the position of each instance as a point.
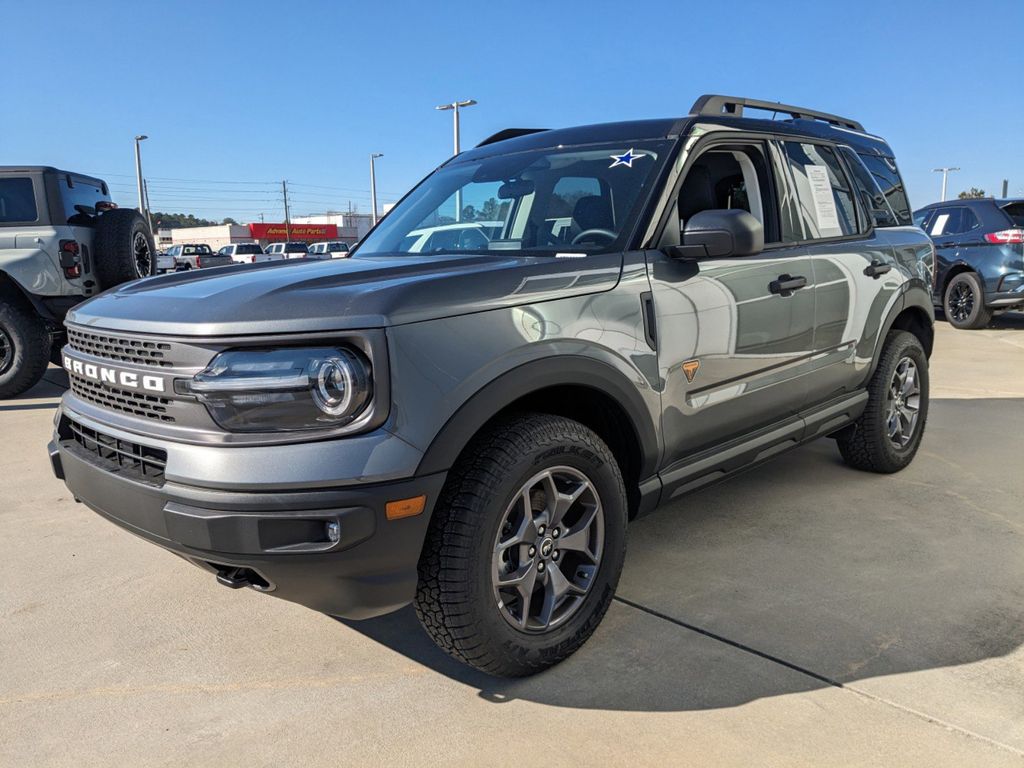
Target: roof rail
(732, 106)
(509, 133)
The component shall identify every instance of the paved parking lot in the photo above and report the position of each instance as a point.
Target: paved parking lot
(803, 614)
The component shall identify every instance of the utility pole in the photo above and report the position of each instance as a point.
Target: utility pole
(945, 175)
(287, 215)
(138, 172)
(454, 107)
(149, 215)
(373, 188)
(1006, 188)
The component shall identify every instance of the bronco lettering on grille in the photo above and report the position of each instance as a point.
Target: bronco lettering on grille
(105, 375)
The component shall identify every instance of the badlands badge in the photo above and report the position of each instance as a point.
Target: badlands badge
(690, 368)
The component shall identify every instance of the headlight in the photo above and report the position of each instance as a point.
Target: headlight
(274, 390)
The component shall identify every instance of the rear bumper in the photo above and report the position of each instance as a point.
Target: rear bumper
(1009, 291)
(277, 542)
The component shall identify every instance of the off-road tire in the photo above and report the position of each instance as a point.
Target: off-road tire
(865, 444)
(455, 600)
(115, 258)
(980, 315)
(26, 342)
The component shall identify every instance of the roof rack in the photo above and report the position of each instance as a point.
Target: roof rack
(732, 106)
(509, 133)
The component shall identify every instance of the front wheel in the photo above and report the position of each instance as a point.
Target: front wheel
(888, 433)
(525, 548)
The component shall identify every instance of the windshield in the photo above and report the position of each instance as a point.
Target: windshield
(578, 200)
(296, 248)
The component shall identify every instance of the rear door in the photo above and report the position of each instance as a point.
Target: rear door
(730, 347)
(27, 236)
(945, 228)
(852, 269)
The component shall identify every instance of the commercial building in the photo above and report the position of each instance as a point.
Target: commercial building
(351, 227)
(226, 234)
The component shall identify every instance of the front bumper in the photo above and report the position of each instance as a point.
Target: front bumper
(329, 548)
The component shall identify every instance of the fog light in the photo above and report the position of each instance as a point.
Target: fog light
(333, 532)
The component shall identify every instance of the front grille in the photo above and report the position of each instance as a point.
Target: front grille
(138, 462)
(122, 349)
(123, 400)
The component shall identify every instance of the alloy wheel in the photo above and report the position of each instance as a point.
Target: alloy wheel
(143, 258)
(903, 403)
(961, 302)
(548, 550)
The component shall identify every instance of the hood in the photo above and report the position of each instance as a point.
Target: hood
(340, 294)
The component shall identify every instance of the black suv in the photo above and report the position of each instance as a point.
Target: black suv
(979, 249)
(658, 305)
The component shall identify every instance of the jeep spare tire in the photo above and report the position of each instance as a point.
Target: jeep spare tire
(124, 247)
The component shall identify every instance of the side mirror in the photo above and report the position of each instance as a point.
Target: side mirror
(720, 233)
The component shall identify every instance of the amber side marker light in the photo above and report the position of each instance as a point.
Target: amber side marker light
(396, 510)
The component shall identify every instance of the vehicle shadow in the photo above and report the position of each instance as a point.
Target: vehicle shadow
(51, 386)
(813, 574)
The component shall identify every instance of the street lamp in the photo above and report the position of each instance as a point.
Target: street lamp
(945, 174)
(373, 188)
(455, 106)
(138, 172)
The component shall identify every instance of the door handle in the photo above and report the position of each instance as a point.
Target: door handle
(786, 284)
(876, 269)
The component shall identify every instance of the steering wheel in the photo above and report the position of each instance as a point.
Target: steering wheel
(588, 232)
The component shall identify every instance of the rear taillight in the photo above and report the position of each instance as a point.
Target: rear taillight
(252, 259)
(1006, 236)
(69, 258)
(199, 262)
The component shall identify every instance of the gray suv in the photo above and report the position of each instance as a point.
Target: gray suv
(661, 304)
(62, 240)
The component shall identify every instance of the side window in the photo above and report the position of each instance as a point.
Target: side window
(970, 221)
(872, 200)
(826, 200)
(889, 181)
(920, 218)
(947, 221)
(727, 177)
(17, 200)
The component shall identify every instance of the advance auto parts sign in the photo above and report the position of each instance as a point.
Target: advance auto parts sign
(299, 231)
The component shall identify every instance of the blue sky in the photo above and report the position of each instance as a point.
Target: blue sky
(256, 92)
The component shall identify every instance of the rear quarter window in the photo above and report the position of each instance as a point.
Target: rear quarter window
(888, 178)
(17, 201)
(80, 198)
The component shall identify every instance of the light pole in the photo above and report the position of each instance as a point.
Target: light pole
(373, 188)
(945, 174)
(138, 172)
(455, 106)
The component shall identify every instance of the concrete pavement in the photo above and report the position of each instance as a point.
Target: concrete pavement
(801, 614)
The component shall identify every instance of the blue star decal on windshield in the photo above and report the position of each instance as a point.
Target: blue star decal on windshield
(625, 159)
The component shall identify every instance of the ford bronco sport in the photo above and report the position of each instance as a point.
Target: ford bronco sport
(62, 240)
(664, 303)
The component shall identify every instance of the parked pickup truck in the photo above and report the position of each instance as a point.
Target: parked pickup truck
(196, 256)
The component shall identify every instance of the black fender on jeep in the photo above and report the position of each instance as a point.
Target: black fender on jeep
(581, 388)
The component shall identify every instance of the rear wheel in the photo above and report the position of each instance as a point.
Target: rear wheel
(24, 350)
(525, 548)
(964, 302)
(887, 435)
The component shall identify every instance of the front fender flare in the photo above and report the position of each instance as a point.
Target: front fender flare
(529, 378)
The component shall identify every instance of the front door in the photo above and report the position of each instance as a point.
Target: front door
(730, 338)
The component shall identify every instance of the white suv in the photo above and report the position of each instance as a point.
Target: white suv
(293, 250)
(334, 249)
(247, 253)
